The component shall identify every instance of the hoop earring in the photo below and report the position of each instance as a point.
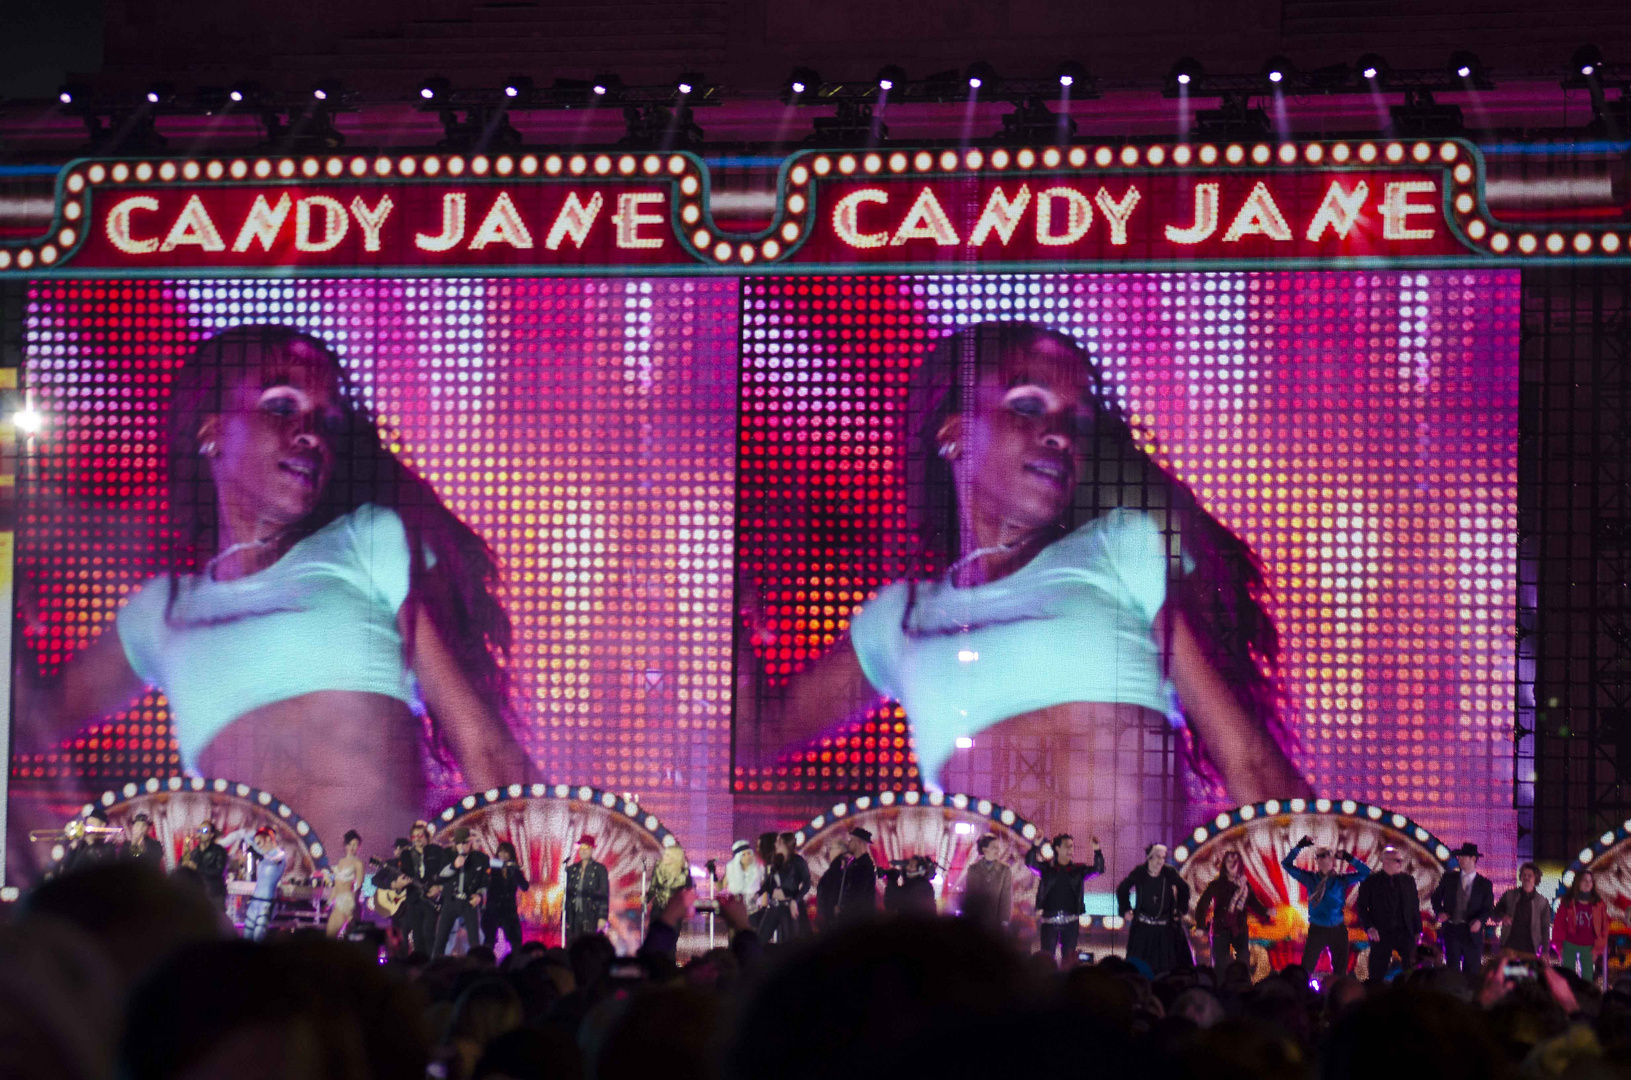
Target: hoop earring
(948, 451)
(207, 449)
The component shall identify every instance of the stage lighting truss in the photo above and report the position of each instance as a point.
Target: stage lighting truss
(892, 85)
(1463, 72)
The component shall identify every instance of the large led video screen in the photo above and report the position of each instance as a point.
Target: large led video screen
(1114, 550)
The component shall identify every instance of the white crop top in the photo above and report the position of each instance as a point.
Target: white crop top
(323, 617)
(1073, 624)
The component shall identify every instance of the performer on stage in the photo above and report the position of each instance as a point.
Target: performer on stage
(208, 859)
(1156, 934)
(91, 848)
(270, 862)
(420, 866)
(831, 885)
(1525, 916)
(347, 874)
(742, 875)
(320, 591)
(988, 887)
(1580, 929)
(1327, 899)
(786, 884)
(673, 874)
(1047, 613)
(1224, 905)
(504, 881)
(1463, 902)
(1059, 900)
(907, 889)
(588, 893)
(463, 880)
(390, 882)
(1389, 909)
(858, 881)
(142, 848)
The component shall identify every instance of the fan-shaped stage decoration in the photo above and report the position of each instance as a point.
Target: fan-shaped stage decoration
(943, 827)
(176, 806)
(544, 822)
(1264, 832)
(1609, 860)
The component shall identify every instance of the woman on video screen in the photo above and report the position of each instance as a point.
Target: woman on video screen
(1067, 587)
(319, 597)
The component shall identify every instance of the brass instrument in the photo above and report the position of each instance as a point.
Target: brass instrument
(73, 831)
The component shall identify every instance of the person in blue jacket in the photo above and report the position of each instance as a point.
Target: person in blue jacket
(1327, 896)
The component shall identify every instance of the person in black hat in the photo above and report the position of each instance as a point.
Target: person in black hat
(141, 848)
(88, 845)
(858, 889)
(463, 879)
(1463, 902)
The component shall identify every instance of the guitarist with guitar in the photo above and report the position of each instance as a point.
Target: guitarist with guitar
(415, 872)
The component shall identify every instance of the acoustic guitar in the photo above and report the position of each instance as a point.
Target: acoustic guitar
(386, 901)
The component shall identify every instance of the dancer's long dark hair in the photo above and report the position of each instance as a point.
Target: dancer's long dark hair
(459, 594)
(1221, 596)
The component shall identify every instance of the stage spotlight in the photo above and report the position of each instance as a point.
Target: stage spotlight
(244, 92)
(1071, 74)
(891, 76)
(517, 87)
(688, 82)
(803, 81)
(1277, 70)
(161, 93)
(1185, 76)
(606, 87)
(329, 92)
(1587, 60)
(435, 90)
(981, 74)
(1467, 66)
(1372, 68)
(73, 94)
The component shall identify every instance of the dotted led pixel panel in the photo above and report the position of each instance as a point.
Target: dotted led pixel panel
(584, 429)
(1357, 431)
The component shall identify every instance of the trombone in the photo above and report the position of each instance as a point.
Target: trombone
(73, 831)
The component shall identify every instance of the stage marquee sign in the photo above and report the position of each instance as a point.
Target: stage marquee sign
(1081, 208)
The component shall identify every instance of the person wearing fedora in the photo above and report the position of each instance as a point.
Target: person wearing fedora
(1463, 902)
(463, 879)
(858, 888)
(141, 848)
(588, 893)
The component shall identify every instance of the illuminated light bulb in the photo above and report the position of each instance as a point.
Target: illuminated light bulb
(1588, 70)
(1464, 71)
(684, 88)
(426, 92)
(512, 91)
(1370, 73)
(28, 420)
(974, 82)
(798, 87)
(65, 97)
(965, 743)
(322, 95)
(236, 95)
(1066, 80)
(1276, 76)
(600, 89)
(1183, 78)
(152, 97)
(886, 84)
